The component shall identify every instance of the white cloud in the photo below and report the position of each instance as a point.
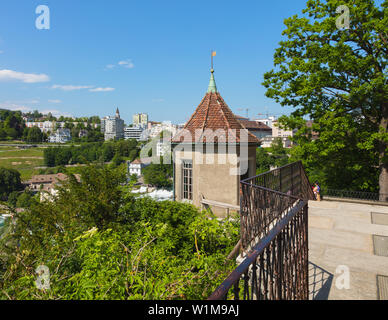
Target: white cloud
(9, 75)
(55, 101)
(102, 89)
(23, 102)
(19, 107)
(1, 51)
(127, 64)
(158, 100)
(14, 107)
(69, 87)
(73, 88)
(56, 113)
(123, 63)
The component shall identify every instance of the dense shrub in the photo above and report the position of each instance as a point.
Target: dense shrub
(101, 242)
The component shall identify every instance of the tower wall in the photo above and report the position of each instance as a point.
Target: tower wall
(212, 181)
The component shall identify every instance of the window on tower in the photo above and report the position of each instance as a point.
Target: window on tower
(187, 176)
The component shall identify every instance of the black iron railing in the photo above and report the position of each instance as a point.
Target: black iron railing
(274, 238)
(359, 195)
(268, 197)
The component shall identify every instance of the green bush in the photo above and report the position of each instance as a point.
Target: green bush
(101, 242)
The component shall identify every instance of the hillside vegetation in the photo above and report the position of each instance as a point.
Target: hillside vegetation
(98, 241)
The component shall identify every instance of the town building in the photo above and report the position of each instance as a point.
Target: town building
(113, 127)
(268, 140)
(212, 154)
(156, 128)
(44, 181)
(44, 126)
(239, 118)
(259, 129)
(47, 184)
(135, 167)
(140, 119)
(267, 121)
(279, 132)
(314, 134)
(163, 148)
(133, 133)
(60, 136)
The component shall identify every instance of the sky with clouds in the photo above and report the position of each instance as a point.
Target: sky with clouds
(140, 56)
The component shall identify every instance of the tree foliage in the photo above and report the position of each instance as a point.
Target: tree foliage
(158, 175)
(90, 152)
(9, 182)
(339, 78)
(275, 156)
(101, 242)
(11, 125)
(33, 135)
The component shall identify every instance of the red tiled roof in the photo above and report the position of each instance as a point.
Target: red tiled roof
(255, 125)
(241, 117)
(47, 178)
(213, 114)
(136, 161)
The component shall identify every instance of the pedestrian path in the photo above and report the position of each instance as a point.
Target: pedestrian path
(348, 241)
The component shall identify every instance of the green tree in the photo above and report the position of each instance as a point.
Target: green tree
(9, 182)
(37, 115)
(13, 198)
(49, 157)
(331, 73)
(101, 242)
(158, 175)
(3, 134)
(264, 160)
(117, 160)
(25, 199)
(279, 153)
(34, 135)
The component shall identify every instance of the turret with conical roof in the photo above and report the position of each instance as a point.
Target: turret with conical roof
(218, 151)
(117, 113)
(214, 114)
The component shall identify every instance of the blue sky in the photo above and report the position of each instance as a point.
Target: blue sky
(141, 56)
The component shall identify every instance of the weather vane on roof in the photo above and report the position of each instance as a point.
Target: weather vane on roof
(213, 54)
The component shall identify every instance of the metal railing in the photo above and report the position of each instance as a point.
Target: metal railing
(274, 237)
(359, 195)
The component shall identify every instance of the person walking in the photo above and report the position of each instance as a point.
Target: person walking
(317, 191)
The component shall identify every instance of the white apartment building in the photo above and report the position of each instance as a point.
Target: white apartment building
(156, 129)
(268, 121)
(113, 127)
(162, 148)
(267, 141)
(281, 133)
(60, 136)
(44, 126)
(135, 167)
(133, 133)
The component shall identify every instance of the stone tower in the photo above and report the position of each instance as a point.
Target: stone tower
(212, 153)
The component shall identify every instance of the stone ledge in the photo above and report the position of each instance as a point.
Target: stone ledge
(377, 203)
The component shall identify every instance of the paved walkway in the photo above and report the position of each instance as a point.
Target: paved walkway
(341, 234)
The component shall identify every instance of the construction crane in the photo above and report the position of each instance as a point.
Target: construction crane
(263, 114)
(247, 111)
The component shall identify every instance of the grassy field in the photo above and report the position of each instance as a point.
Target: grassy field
(23, 160)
